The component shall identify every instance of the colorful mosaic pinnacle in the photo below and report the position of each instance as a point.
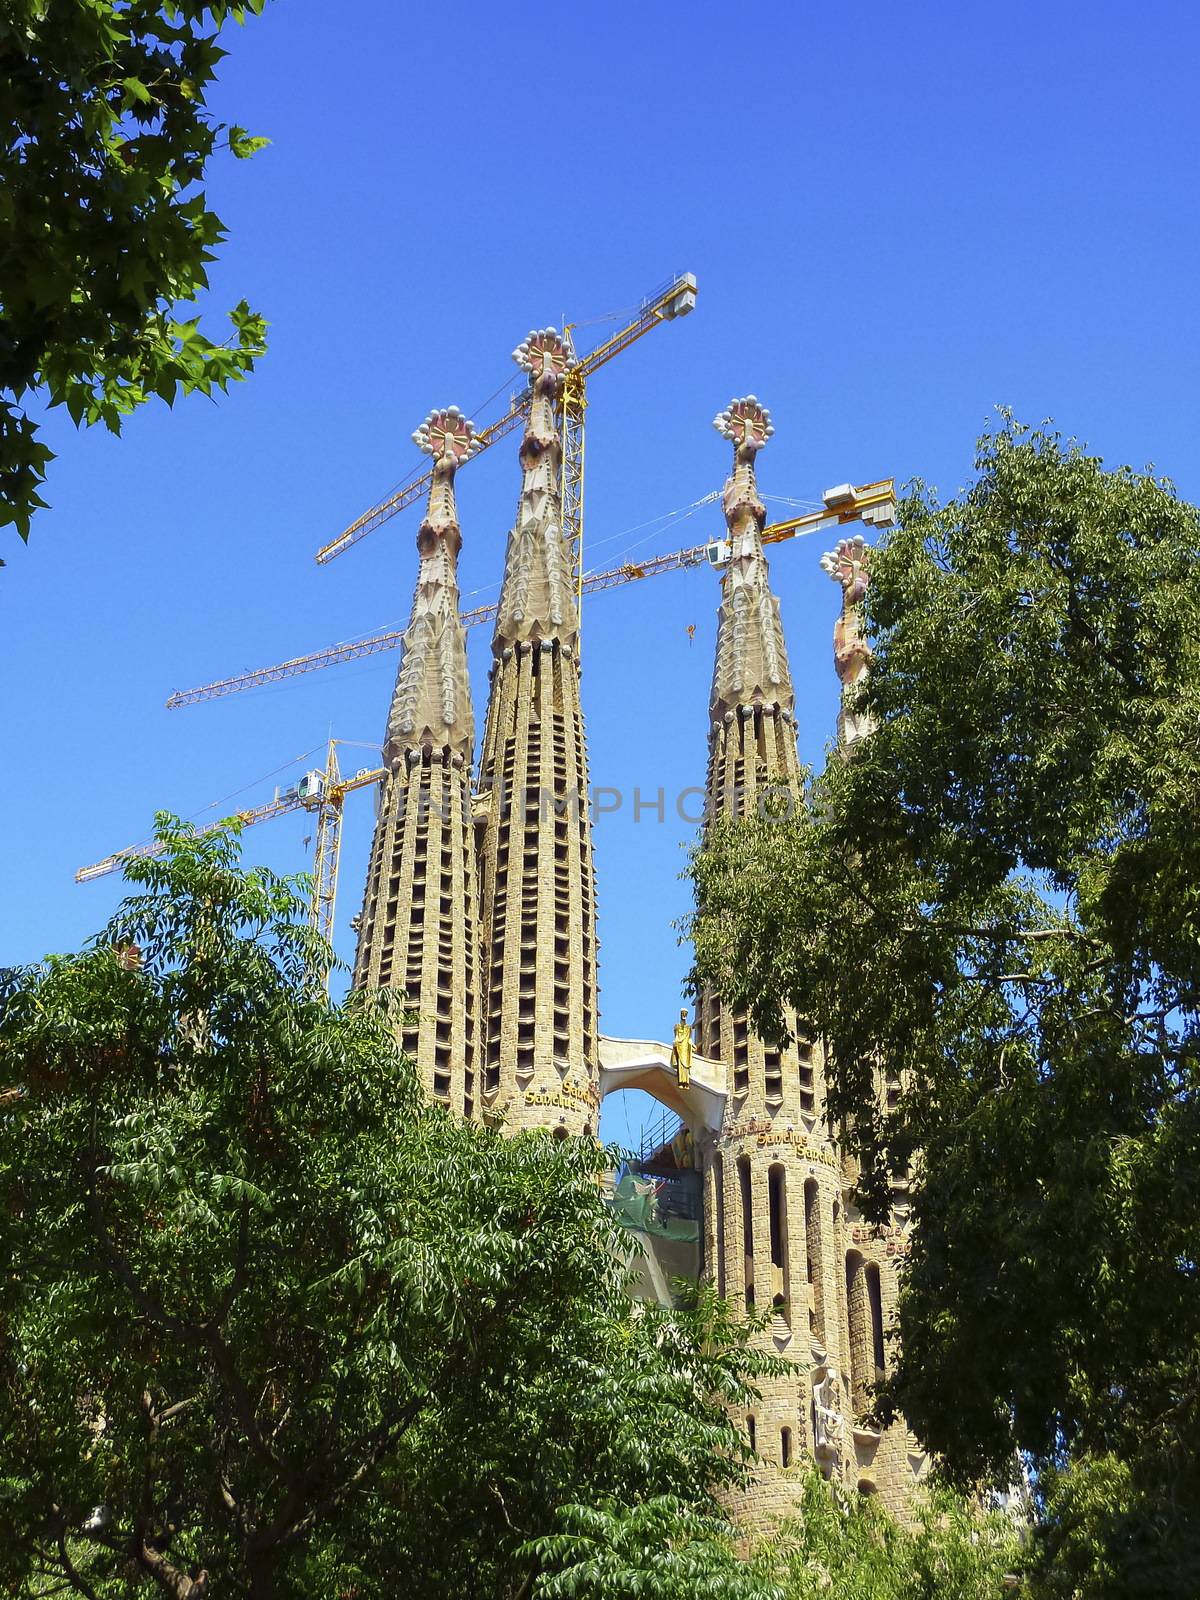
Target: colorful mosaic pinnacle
(431, 705)
(537, 597)
(447, 435)
(747, 424)
(544, 355)
(846, 564)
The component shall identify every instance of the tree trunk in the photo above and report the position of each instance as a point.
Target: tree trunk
(261, 1572)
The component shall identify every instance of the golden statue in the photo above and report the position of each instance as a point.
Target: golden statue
(681, 1050)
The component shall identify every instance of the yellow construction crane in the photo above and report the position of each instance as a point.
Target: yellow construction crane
(318, 791)
(873, 503)
(676, 298)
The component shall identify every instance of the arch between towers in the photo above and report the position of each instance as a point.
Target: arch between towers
(664, 1206)
(646, 1064)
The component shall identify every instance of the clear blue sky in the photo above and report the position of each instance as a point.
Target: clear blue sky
(900, 217)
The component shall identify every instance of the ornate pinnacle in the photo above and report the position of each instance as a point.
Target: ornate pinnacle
(747, 423)
(431, 705)
(447, 436)
(537, 600)
(847, 565)
(545, 356)
(751, 665)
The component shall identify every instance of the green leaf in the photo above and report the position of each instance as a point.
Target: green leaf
(111, 107)
(244, 144)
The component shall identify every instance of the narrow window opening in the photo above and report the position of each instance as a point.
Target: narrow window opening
(861, 1364)
(777, 1211)
(813, 1259)
(743, 1166)
(719, 1219)
(875, 1302)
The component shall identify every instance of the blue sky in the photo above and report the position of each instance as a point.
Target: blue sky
(899, 216)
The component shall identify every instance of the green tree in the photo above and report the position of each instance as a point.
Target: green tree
(844, 1547)
(273, 1325)
(839, 1546)
(998, 897)
(105, 232)
(661, 1549)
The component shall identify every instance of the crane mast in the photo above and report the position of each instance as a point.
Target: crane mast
(328, 851)
(322, 792)
(675, 298)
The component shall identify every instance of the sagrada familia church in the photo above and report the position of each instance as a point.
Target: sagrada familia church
(480, 906)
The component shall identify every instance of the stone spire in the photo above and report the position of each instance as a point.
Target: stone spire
(751, 666)
(418, 932)
(431, 706)
(772, 1175)
(752, 743)
(847, 565)
(537, 884)
(753, 767)
(537, 600)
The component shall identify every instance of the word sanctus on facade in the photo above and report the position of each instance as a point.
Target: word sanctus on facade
(480, 907)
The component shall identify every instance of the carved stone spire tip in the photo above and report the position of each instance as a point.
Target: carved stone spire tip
(545, 356)
(747, 424)
(447, 436)
(537, 598)
(846, 564)
(849, 565)
(751, 667)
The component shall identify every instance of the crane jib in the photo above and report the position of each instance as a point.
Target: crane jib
(674, 300)
(874, 503)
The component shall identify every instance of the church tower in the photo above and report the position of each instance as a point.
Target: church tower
(892, 1462)
(537, 885)
(772, 1175)
(418, 931)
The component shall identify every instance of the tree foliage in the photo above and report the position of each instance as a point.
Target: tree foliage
(660, 1549)
(838, 1546)
(998, 898)
(105, 231)
(273, 1325)
(843, 1547)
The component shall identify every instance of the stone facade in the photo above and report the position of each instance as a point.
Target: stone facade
(481, 908)
(784, 1239)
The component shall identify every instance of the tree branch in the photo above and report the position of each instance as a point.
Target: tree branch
(1000, 935)
(169, 1577)
(381, 1440)
(1089, 633)
(74, 1577)
(242, 1403)
(119, 1265)
(174, 1410)
(240, 1258)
